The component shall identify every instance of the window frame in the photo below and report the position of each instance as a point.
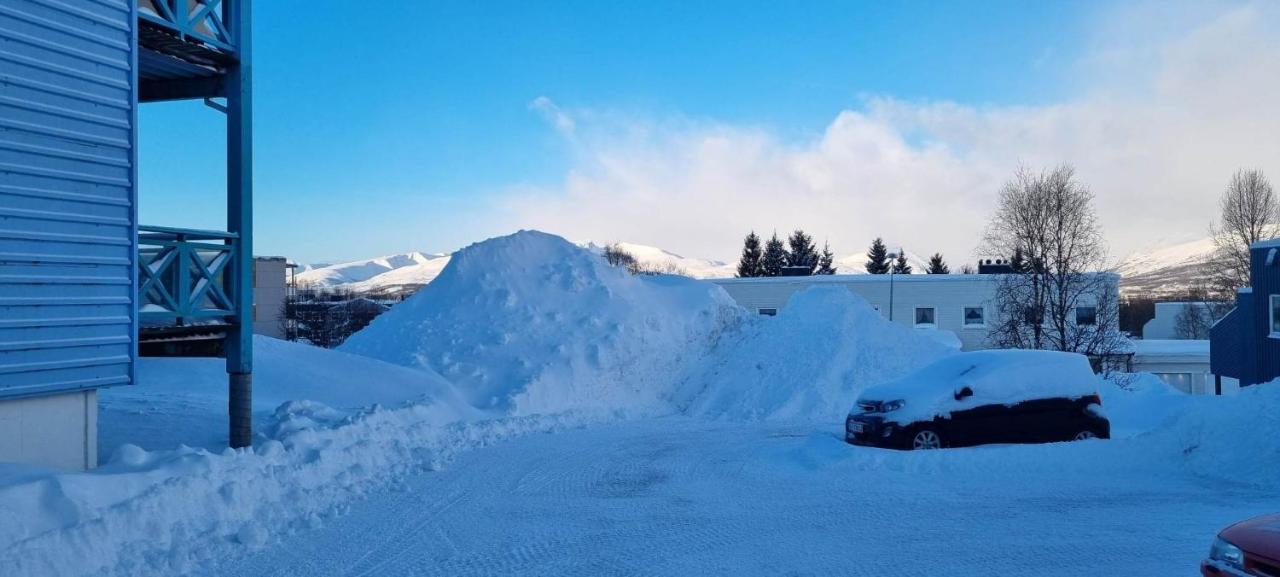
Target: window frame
(1095, 315)
(915, 317)
(1271, 307)
(964, 317)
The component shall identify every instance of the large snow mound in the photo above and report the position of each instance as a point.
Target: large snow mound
(1234, 438)
(810, 361)
(183, 401)
(530, 323)
(992, 377)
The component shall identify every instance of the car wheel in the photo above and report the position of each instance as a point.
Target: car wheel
(1084, 436)
(925, 439)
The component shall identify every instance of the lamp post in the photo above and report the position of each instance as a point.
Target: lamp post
(891, 256)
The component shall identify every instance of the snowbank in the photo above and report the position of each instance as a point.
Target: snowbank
(183, 401)
(1235, 439)
(810, 361)
(167, 512)
(993, 377)
(530, 323)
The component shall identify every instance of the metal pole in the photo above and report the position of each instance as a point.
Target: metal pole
(890, 294)
(239, 343)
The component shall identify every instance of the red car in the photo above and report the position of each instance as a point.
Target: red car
(1249, 548)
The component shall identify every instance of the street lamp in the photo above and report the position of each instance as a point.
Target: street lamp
(891, 256)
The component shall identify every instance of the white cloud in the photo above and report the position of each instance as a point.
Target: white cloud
(553, 114)
(1159, 124)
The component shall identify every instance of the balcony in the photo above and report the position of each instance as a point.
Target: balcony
(186, 290)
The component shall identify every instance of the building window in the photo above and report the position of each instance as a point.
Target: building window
(768, 312)
(1087, 316)
(1275, 315)
(925, 316)
(975, 317)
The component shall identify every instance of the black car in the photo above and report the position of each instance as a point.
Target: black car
(983, 397)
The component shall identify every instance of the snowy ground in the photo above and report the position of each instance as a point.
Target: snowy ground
(687, 497)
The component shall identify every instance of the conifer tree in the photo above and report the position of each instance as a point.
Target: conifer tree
(878, 258)
(937, 265)
(1018, 262)
(774, 258)
(825, 261)
(749, 265)
(901, 266)
(801, 251)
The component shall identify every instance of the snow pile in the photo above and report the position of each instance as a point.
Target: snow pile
(1236, 438)
(529, 323)
(1140, 402)
(183, 401)
(993, 377)
(809, 362)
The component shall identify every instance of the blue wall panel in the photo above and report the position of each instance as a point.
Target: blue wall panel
(67, 196)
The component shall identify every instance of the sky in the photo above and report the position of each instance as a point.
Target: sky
(431, 125)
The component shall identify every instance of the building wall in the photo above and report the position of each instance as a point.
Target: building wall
(947, 294)
(269, 280)
(1164, 325)
(54, 430)
(68, 245)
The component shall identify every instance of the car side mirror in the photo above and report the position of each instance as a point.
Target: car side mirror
(964, 393)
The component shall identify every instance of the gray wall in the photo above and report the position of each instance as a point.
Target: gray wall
(269, 280)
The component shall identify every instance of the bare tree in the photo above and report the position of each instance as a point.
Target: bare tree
(1063, 299)
(1249, 214)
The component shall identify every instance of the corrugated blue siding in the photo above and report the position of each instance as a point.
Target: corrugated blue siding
(1227, 340)
(67, 195)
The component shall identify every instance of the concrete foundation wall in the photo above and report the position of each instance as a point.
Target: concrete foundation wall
(55, 431)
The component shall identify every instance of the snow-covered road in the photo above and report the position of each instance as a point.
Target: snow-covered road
(688, 497)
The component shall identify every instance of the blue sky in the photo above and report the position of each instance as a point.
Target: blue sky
(386, 130)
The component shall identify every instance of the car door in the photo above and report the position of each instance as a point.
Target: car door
(1043, 420)
(981, 425)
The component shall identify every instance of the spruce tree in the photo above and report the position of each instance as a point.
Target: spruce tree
(749, 264)
(825, 261)
(900, 266)
(1017, 262)
(801, 251)
(878, 258)
(775, 257)
(937, 266)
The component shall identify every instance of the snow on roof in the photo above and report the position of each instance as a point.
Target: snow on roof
(1271, 243)
(995, 377)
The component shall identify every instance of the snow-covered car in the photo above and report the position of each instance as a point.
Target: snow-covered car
(1247, 548)
(998, 396)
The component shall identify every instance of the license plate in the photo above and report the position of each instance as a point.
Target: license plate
(855, 427)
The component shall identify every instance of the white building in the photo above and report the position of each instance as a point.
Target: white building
(960, 303)
(1164, 325)
(1181, 363)
(270, 288)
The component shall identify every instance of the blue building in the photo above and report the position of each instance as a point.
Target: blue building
(1245, 344)
(79, 277)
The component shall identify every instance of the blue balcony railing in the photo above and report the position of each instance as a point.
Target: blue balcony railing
(205, 21)
(185, 275)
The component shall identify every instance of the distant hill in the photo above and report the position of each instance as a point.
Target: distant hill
(1165, 270)
(410, 271)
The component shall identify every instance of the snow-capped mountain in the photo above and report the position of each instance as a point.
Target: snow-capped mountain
(857, 263)
(409, 271)
(412, 270)
(1164, 269)
(395, 272)
(666, 260)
